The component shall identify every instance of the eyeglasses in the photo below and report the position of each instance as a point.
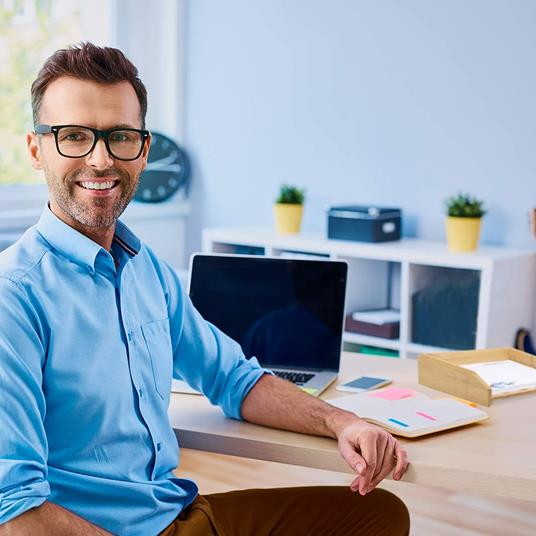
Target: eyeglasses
(75, 141)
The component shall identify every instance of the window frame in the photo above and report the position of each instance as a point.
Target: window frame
(22, 204)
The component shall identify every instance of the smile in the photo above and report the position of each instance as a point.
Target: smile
(90, 185)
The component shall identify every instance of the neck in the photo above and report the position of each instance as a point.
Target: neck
(102, 236)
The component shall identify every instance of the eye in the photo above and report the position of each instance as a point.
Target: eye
(118, 136)
(123, 136)
(71, 135)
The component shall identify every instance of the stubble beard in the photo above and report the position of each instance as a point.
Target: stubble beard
(90, 213)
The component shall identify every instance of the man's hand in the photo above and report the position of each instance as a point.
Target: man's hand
(370, 451)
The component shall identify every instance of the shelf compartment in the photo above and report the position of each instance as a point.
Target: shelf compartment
(358, 338)
(443, 306)
(372, 284)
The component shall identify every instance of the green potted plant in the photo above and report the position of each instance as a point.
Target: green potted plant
(288, 209)
(464, 216)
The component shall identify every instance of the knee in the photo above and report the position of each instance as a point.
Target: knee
(393, 513)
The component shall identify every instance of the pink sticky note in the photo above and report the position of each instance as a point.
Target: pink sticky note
(394, 393)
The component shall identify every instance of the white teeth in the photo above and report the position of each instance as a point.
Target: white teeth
(97, 185)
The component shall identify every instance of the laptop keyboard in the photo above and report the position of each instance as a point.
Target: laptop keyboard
(299, 378)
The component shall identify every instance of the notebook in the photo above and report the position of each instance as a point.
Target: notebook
(287, 312)
(409, 413)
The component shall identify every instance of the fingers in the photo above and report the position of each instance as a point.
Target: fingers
(372, 453)
(354, 486)
(372, 448)
(381, 453)
(402, 461)
(386, 467)
(353, 459)
(397, 459)
(385, 453)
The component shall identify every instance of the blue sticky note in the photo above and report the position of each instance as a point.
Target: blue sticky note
(400, 423)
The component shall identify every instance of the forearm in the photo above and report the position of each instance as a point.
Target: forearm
(277, 403)
(50, 519)
(370, 451)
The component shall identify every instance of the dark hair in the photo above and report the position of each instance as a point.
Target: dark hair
(87, 61)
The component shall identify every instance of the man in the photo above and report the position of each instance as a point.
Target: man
(92, 328)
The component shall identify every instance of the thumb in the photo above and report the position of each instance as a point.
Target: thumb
(352, 458)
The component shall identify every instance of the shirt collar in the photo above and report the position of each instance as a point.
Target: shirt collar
(78, 247)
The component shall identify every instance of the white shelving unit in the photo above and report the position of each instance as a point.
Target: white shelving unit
(389, 274)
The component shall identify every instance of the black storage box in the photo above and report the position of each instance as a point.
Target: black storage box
(445, 312)
(364, 223)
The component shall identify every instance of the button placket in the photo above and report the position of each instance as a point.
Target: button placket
(135, 374)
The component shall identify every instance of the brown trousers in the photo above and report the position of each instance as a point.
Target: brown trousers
(307, 511)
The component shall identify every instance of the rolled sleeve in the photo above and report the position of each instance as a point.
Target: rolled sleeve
(238, 381)
(22, 498)
(205, 357)
(23, 443)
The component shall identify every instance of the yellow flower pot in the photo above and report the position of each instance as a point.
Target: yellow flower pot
(462, 233)
(288, 218)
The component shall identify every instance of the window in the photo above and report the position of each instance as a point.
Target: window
(151, 34)
(30, 31)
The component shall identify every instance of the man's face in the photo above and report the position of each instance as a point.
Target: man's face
(70, 101)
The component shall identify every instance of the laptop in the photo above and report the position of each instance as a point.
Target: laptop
(287, 312)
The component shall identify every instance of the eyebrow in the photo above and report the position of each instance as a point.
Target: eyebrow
(120, 125)
(123, 125)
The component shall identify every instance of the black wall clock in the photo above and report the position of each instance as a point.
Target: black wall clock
(168, 170)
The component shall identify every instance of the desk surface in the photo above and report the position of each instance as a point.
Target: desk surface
(496, 456)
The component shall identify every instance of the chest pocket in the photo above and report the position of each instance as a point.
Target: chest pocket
(157, 339)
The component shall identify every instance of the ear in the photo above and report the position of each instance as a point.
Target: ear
(145, 152)
(32, 142)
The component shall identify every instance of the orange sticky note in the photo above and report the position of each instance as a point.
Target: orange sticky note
(394, 393)
(472, 404)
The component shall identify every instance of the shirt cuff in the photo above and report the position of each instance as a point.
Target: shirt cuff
(241, 386)
(22, 498)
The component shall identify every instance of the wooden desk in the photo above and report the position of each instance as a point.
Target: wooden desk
(494, 457)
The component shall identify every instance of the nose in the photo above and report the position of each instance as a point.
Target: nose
(99, 158)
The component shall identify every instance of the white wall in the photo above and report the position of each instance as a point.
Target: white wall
(152, 36)
(384, 102)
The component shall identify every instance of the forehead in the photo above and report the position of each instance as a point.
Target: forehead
(69, 100)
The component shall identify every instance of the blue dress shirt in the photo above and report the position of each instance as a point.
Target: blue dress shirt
(87, 354)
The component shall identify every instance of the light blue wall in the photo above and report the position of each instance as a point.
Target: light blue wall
(387, 102)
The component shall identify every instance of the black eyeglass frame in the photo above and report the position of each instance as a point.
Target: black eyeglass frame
(97, 135)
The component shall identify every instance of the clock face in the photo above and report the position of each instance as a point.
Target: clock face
(168, 170)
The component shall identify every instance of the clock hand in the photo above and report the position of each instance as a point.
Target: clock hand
(164, 167)
(167, 160)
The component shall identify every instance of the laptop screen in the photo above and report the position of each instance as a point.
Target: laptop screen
(286, 312)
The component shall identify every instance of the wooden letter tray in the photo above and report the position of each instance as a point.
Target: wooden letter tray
(442, 371)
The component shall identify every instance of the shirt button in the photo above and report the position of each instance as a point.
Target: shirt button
(141, 393)
(129, 336)
(158, 446)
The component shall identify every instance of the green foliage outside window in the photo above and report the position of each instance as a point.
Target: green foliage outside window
(30, 31)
